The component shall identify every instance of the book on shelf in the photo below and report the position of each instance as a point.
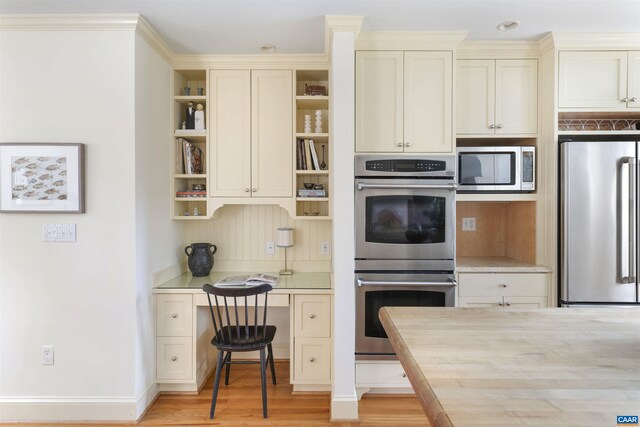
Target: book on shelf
(248, 280)
(314, 155)
(191, 193)
(189, 158)
(301, 155)
(307, 155)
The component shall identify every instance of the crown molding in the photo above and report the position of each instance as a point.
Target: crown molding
(546, 44)
(410, 40)
(340, 23)
(148, 34)
(591, 41)
(66, 22)
(263, 61)
(491, 49)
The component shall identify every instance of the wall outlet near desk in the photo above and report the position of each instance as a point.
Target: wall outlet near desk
(270, 247)
(324, 248)
(468, 224)
(46, 355)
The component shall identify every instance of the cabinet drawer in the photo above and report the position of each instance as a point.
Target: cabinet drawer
(502, 284)
(312, 316)
(174, 315)
(312, 358)
(274, 300)
(381, 374)
(174, 358)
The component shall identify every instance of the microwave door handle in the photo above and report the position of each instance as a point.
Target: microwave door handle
(628, 217)
(450, 187)
(451, 283)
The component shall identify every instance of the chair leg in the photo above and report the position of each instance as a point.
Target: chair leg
(227, 361)
(216, 384)
(263, 380)
(273, 369)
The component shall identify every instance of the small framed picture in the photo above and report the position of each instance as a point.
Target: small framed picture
(46, 178)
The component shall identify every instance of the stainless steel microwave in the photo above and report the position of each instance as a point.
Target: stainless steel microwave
(496, 169)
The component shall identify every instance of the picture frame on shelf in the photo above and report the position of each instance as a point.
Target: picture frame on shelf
(42, 177)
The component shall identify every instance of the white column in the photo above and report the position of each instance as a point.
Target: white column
(344, 402)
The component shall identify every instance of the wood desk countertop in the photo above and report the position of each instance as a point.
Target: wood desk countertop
(533, 367)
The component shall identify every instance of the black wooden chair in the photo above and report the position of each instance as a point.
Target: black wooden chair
(234, 332)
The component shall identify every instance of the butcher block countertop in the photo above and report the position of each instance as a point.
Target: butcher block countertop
(520, 367)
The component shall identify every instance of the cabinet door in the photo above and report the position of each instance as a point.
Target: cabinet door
(592, 80)
(427, 102)
(174, 357)
(516, 96)
(312, 360)
(312, 316)
(272, 133)
(379, 93)
(174, 315)
(230, 131)
(475, 96)
(634, 80)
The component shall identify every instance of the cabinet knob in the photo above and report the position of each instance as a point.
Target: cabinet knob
(625, 100)
(634, 99)
(404, 375)
(492, 126)
(312, 359)
(246, 190)
(407, 144)
(500, 304)
(174, 315)
(507, 303)
(399, 144)
(312, 316)
(503, 285)
(174, 358)
(499, 126)
(253, 190)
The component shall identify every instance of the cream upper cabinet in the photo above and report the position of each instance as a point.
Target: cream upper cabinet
(604, 80)
(497, 97)
(251, 132)
(404, 101)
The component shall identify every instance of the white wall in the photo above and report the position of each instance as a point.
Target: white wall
(90, 299)
(158, 238)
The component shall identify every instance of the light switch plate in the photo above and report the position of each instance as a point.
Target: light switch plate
(468, 224)
(59, 233)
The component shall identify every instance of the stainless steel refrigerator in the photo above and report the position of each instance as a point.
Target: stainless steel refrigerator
(599, 220)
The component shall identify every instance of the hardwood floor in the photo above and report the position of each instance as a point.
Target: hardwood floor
(240, 404)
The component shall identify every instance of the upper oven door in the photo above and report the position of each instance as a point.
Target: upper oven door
(408, 219)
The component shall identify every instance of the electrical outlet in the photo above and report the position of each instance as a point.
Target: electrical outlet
(59, 233)
(46, 357)
(324, 248)
(468, 224)
(271, 248)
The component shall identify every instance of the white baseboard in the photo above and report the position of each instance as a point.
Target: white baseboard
(344, 408)
(75, 409)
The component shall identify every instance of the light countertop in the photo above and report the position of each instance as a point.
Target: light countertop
(497, 265)
(534, 367)
(318, 282)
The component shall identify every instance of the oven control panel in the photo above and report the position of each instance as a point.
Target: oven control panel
(405, 165)
(392, 166)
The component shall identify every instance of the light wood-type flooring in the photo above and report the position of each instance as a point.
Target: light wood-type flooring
(240, 404)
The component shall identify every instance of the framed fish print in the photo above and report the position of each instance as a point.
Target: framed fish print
(47, 178)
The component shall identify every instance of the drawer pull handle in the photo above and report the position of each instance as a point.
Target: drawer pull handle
(404, 375)
(500, 304)
(503, 285)
(507, 303)
(312, 359)
(174, 315)
(312, 316)
(174, 358)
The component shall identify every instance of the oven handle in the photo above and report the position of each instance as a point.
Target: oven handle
(452, 283)
(450, 187)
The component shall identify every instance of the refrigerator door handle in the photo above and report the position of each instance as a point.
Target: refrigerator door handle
(631, 220)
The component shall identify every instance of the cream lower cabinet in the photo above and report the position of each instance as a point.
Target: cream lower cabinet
(497, 97)
(251, 129)
(404, 101)
(603, 80)
(311, 342)
(516, 290)
(174, 332)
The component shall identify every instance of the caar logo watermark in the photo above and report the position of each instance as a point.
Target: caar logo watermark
(627, 420)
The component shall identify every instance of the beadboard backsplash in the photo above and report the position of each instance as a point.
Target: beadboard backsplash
(241, 231)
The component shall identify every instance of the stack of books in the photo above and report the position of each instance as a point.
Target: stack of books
(306, 155)
(191, 193)
(189, 158)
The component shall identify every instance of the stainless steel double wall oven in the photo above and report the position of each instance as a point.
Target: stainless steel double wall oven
(405, 240)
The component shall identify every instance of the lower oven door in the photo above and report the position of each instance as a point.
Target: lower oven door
(374, 291)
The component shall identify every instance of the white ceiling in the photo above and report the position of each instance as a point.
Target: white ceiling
(297, 26)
